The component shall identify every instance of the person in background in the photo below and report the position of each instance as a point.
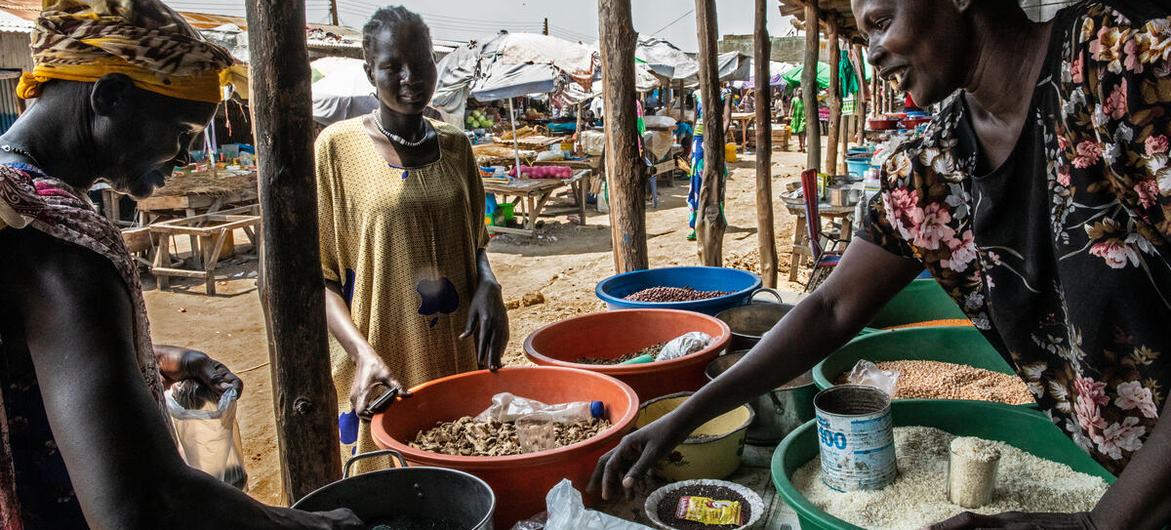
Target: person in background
(697, 156)
(119, 87)
(797, 118)
(909, 104)
(1039, 198)
(410, 294)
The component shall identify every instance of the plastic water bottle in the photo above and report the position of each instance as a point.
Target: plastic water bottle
(536, 422)
(507, 407)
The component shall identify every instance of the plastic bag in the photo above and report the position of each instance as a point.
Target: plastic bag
(684, 345)
(207, 431)
(566, 511)
(507, 407)
(868, 373)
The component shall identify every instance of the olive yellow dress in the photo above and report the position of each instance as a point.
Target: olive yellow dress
(402, 243)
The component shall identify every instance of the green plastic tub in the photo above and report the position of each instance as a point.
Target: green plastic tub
(958, 345)
(920, 301)
(1022, 428)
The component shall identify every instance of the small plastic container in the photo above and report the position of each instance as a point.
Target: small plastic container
(971, 472)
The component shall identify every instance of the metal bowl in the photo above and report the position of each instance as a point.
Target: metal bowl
(779, 411)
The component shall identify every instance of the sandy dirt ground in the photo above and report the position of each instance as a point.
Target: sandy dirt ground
(563, 264)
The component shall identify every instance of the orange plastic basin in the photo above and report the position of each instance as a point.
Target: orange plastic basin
(520, 482)
(613, 334)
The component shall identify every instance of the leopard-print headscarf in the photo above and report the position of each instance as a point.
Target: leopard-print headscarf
(83, 40)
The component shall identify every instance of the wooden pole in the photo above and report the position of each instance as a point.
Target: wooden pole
(333, 19)
(809, 88)
(835, 97)
(765, 235)
(617, 39)
(710, 224)
(579, 128)
(665, 92)
(293, 292)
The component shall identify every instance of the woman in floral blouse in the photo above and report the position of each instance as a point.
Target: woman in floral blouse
(1040, 199)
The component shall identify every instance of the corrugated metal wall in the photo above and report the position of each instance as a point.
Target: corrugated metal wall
(10, 105)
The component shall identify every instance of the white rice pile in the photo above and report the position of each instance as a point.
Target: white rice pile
(918, 497)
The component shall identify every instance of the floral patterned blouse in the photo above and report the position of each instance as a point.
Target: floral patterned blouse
(1061, 255)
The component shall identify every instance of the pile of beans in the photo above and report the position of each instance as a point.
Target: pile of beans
(937, 380)
(673, 294)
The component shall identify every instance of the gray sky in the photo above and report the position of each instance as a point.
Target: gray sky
(673, 20)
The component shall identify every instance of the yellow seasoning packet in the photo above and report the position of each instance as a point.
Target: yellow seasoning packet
(708, 511)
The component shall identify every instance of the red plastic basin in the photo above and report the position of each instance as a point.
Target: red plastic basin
(520, 482)
(616, 333)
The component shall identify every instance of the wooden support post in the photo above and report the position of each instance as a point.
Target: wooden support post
(765, 235)
(578, 129)
(809, 88)
(710, 224)
(623, 165)
(835, 98)
(665, 92)
(292, 289)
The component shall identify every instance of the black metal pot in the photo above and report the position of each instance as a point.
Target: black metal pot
(750, 322)
(779, 411)
(423, 492)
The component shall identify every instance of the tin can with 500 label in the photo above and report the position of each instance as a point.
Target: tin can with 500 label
(856, 438)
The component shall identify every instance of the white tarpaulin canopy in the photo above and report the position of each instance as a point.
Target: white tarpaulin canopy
(516, 64)
(734, 66)
(344, 92)
(666, 60)
(775, 69)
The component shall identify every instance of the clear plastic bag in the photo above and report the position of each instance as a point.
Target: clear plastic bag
(507, 407)
(868, 373)
(684, 345)
(207, 431)
(566, 511)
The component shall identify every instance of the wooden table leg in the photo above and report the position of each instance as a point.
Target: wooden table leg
(196, 255)
(531, 215)
(582, 196)
(162, 260)
(795, 256)
(213, 259)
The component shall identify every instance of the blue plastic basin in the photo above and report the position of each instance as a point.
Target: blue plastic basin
(741, 285)
(858, 165)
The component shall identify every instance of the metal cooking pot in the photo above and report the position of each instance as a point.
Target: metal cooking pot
(778, 412)
(750, 322)
(425, 492)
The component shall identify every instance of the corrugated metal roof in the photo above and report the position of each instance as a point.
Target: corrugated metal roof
(30, 9)
(10, 23)
(24, 9)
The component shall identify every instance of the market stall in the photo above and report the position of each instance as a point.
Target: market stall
(534, 196)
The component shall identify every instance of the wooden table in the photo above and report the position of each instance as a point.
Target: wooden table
(153, 207)
(743, 120)
(801, 248)
(156, 207)
(211, 231)
(535, 194)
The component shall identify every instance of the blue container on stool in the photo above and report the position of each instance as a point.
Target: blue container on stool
(741, 284)
(857, 165)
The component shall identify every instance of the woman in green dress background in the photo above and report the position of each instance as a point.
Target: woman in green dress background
(797, 118)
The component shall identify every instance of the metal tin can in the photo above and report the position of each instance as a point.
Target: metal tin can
(856, 438)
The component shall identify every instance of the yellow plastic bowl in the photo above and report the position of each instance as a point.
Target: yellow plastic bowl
(712, 451)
